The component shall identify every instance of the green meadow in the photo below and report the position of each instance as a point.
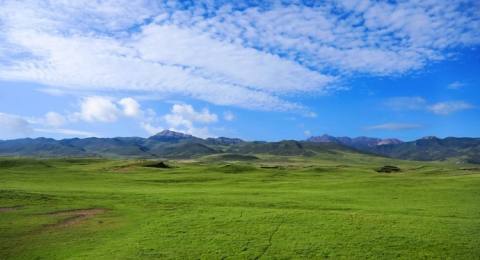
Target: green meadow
(335, 206)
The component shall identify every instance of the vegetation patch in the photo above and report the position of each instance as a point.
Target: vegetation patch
(388, 169)
(237, 157)
(81, 161)
(322, 169)
(236, 168)
(180, 181)
(272, 167)
(157, 165)
(13, 163)
(470, 169)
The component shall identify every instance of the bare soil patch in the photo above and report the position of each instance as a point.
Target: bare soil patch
(8, 209)
(75, 216)
(123, 169)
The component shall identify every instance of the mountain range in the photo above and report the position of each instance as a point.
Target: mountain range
(428, 148)
(170, 144)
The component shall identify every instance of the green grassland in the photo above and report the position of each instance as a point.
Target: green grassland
(238, 207)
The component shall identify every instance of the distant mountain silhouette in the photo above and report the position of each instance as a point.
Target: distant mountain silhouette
(171, 144)
(168, 144)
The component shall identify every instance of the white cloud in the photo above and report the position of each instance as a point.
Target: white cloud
(456, 85)
(307, 133)
(55, 119)
(13, 126)
(419, 103)
(202, 132)
(406, 103)
(68, 132)
(131, 107)
(92, 109)
(225, 62)
(447, 108)
(394, 126)
(130, 63)
(149, 128)
(372, 37)
(249, 57)
(181, 112)
(311, 114)
(184, 118)
(108, 110)
(72, 63)
(98, 109)
(228, 116)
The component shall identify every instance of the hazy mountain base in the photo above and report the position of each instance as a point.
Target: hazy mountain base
(328, 205)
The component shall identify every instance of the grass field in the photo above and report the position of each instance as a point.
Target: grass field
(272, 208)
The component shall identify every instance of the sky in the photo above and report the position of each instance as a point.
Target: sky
(256, 70)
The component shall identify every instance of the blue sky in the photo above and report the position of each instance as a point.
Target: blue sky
(269, 71)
